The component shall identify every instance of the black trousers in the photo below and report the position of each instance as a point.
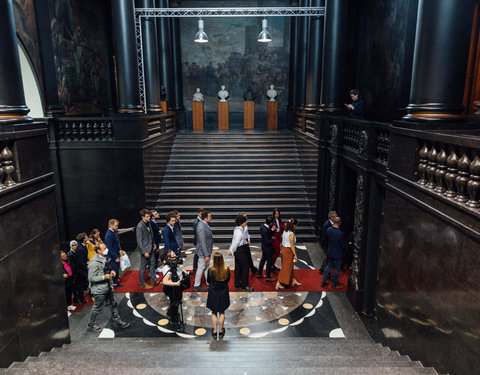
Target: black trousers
(242, 265)
(250, 260)
(267, 256)
(195, 261)
(174, 294)
(69, 290)
(80, 284)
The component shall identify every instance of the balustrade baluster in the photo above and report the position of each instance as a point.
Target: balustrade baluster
(81, 130)
(89, 131)
(473, 185)
(441, 171)
(103, 131)
(2, 186)
(96, 131)
(74, 131)
(451, 174)
(432, 167)
(109, 131)
(7, 166)
(68, 133)
(462, 179)
(422, 165)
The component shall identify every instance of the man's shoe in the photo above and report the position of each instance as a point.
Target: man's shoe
(260, 275)
(117, 285)
(247, 288)
(338, 286)
(146, 286)
(255, 270)
(270, 279)
(95, 328)
(156, 283)
(324, 284)
(122, 324)
(275, 268)
(200, 288)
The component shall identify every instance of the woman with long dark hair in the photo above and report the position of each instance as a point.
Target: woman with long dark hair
(286, 276)
(277, 234)
(218, 299)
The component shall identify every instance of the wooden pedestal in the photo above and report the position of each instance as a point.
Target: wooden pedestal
(223, 116)
(272, 115)
(163, 103)
(248, 115)
(197, 111)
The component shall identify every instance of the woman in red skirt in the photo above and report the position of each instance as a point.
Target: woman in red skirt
(277, 235)
(286, 276)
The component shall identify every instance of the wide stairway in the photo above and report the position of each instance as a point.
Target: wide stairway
(231, 356)
(228, 173)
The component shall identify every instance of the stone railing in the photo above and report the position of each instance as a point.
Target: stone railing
(7, 166)
(451, 171)
(83, 129)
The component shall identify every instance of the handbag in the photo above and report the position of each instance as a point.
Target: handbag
(186, 282)
(124, 262)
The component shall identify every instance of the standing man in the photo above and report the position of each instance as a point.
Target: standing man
(146, 247)
(169, 234)
(157, 235)
(195, 223)
(323, 238)
(267, 248)
(336, 244)
(249, 252)
(239, 249)
(204, 249)
(356, 108)
(99, 278)
(80, 264)
(177, 230)
(113, 246)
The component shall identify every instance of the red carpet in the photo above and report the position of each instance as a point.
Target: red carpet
(310, 280)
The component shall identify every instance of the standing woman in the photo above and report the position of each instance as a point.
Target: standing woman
(277, 234)
(289, 256)
(68, 279)
(218, 299)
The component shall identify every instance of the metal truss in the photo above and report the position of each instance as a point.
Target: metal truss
(203, 13)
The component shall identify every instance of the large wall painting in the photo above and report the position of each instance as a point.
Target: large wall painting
(233, 57)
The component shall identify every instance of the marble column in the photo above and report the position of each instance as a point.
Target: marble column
(12, 98)
(440, 60)
(302, 41)
(314, 63)
(292, 80)
(165, 52)
(125, 50)
(150, 59)
(334, 47)
(176, 64)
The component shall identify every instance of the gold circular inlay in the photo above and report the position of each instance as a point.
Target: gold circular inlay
(245, 331)
(216, 248)
(163, 322)
(141, 306)
(307, 306)
(283, 321)
(188, 252)
(200, 331)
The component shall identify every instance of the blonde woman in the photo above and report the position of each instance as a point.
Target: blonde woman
(286, 276)
(218, 299)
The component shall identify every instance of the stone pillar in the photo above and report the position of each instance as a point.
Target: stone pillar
(165, 53)
(176, 64)
(125, 50)
(150, 59)
(440, 60)
(314, 63)
(12, 98)
(301, 69)
(334, 46)
(292, 80)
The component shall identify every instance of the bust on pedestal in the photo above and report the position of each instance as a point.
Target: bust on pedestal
(223, 109)
(197, 111)
(272, 109)
(272, 93)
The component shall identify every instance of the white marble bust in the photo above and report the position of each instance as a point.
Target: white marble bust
(272, 93)
(198, 96)
(223, 94)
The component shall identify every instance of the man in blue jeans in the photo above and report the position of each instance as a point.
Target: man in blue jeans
(336, 244)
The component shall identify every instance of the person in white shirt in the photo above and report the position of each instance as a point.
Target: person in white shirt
(240, 250)
(247, 236)
(286, 276)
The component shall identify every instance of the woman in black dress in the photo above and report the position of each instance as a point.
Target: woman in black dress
(218, 299)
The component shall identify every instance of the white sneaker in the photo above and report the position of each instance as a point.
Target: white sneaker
(71, 308)
(158, 270)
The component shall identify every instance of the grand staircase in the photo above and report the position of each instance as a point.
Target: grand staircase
(244, 356)
(230, 173)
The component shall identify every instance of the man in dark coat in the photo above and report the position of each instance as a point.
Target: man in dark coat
(146, 247)
(267, 248)
(195, 223)
(113, 246)
(157, 233)
(169, 234)
(80, 265)
(336, 244)
(324, 240)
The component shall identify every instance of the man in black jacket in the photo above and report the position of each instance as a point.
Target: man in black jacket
(80, 267)
(324, 240)
(267, 248)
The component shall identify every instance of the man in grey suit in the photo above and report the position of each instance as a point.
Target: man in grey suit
(146, 247)
(204, 249)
